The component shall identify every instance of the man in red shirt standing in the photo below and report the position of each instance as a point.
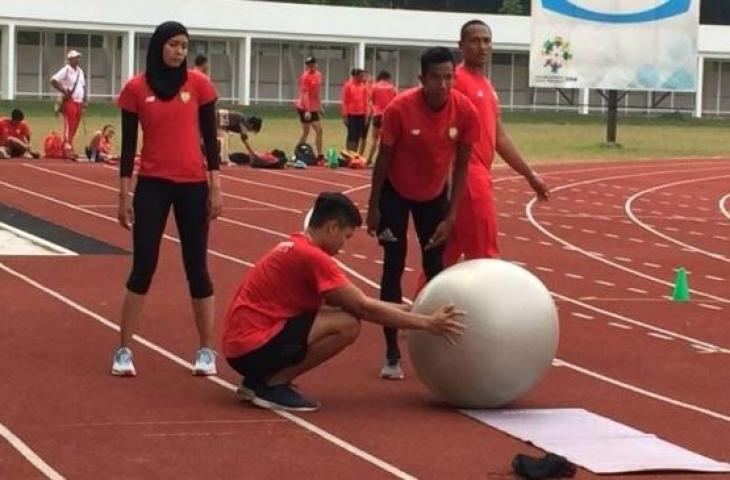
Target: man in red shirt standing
(355, 109)
(70, 81)
(15, 137)
(276, 329)
(309, 104)
(428, 132)
(381, 94)
(475, 231)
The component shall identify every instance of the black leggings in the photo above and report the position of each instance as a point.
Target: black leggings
(152, 201)
(392, 235)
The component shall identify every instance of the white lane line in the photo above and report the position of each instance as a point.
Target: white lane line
(114, 189)
(637, 290)
(652, 265)
(609, 235)
(661, 245)
(588, 231)
(215, 379)
(710, 306)
(28, 453)
(545, 269)
(582, 315)
(359, 256)
(703, 349)
(636, 240)
(545, 243)
(660, 336)
(635, 219)
(536, 224)
(620, 326)
(712, 277)
(623, 259)
(722, 204)
(356, 189)
(575, 276)
(604, 282)
(306, 178)
(524, 239)
(268, 186)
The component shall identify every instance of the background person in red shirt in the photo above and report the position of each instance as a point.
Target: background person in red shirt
(426, 131)
(309, 105)
(15, 137)
(100, 146)
(355, 109)
(382, 93)
(175, 107)
(475, 231)
(276, 329)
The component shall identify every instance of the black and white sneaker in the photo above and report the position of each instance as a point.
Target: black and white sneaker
(283, 397)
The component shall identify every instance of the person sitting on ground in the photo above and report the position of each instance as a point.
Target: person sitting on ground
(230, 121)
(276, 328)
(15, 137)
(100, 146)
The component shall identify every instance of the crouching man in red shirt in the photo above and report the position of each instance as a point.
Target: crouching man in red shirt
(276, 329)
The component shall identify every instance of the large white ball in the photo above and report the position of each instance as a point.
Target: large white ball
(509, 343)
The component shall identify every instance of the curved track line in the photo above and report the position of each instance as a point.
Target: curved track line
(721, 204)
(575, 248)
(26, 451)
(558, 361)
(628, 209)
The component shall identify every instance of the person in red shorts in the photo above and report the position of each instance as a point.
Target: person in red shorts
(276, 328)
(309, 104)
(475, 231)
(428, 133)
(382, 93)
(15, 137)
(175, 107)
(71, 83)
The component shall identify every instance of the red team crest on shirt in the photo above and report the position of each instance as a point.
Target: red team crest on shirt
(185, 97)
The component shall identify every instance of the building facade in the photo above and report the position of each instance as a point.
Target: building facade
(256, 50)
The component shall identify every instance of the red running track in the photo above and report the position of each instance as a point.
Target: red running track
(606, 244)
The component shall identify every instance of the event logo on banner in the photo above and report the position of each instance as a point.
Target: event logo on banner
(615, 44)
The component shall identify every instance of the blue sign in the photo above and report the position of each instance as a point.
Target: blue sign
(669, 8)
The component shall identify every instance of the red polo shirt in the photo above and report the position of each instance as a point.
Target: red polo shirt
(171, 132)
(288, 281)
(423, 141)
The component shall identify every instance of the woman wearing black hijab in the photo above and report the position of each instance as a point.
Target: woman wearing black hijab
(175, 107)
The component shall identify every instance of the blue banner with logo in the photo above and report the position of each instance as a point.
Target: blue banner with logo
(615, 44)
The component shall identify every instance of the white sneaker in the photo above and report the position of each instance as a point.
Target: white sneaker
(205, 362)
(123, 365)
(392, 371)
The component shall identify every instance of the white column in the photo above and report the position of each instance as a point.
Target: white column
(7, 82)
(360, 55)
(585, 98)
(128, 50)
(700, 85)
(244, 71)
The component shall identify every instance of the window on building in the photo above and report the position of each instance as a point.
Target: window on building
(29, 38)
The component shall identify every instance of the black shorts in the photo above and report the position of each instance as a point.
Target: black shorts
(355, 128)
(286, 348)
(378, 121)
(313, 116)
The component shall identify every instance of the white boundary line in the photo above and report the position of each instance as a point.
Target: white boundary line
(41, 242)
(29, 454)
(558, 362)
(215, 379)
(576, 248)
(721, 203)
(628, 209)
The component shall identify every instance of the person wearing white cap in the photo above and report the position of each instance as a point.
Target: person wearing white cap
(70, 82)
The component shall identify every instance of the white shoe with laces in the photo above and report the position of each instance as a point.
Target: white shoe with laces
(205, 362)
(123, 365)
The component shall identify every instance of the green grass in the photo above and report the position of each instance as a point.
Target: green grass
(541, 136)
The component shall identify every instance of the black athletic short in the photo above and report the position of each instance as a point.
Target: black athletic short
(313, 116)
(377, 121)
(286, 348)
(355, 128)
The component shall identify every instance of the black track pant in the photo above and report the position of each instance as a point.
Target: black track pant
(392, 236)
(152, 201)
